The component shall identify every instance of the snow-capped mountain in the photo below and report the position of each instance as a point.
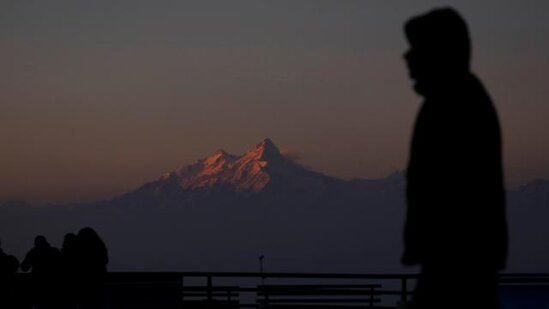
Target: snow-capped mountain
(221, 212)
(260, 171)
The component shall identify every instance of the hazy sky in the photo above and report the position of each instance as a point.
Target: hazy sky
(97, 97)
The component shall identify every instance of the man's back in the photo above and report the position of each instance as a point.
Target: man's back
(455, 223)
(42, 261)
(455, 187)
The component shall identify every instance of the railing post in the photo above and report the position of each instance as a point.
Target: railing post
(265, 297)
(183, 289)
(404, 289)
(210, 290)
(371, 296)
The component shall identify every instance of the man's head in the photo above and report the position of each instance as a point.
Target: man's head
(440, 47)
(40, 241)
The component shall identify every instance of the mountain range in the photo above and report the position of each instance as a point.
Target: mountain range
(223, 211)
(262, 172)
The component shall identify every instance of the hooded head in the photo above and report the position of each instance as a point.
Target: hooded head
(440, 48)
(41, 242)
(69, 240)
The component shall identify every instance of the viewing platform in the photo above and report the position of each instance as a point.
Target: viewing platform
(171, 290)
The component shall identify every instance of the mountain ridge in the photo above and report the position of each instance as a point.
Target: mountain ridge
(261, 168)
(225, 208)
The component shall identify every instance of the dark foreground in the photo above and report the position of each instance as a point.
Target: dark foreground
(163, 290)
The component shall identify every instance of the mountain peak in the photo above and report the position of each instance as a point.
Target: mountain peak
(267, 142)
(266, 150)
(219, 156)
(250, 173)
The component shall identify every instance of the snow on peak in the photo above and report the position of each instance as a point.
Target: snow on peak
(264, 151)
(217, 157)
(250, 172)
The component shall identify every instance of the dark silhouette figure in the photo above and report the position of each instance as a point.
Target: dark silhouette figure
(8, 284)
(69, 253)
(45, 262)
(2, 253)
(4, 267)
(69, 249)
(91, 268)
(455, 224)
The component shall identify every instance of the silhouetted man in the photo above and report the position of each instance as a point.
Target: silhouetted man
(8, 265)
(91, 267)
(45, 262)
(455, 225)
(2, 253)
(8, 289)
(69, 254)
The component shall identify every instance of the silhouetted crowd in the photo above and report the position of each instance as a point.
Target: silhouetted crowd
(72, 277)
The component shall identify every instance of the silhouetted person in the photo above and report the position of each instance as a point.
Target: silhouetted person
(69, 253)
(2, 253)
(455, 225)
(3, 263)
(45, 263)
(8, 288)
(69, 247)
(92, 260)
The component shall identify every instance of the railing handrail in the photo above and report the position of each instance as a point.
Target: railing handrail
(307, 275)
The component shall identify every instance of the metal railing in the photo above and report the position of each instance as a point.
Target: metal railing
(261, 290)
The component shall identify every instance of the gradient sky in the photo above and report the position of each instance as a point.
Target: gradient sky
(97, 97)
